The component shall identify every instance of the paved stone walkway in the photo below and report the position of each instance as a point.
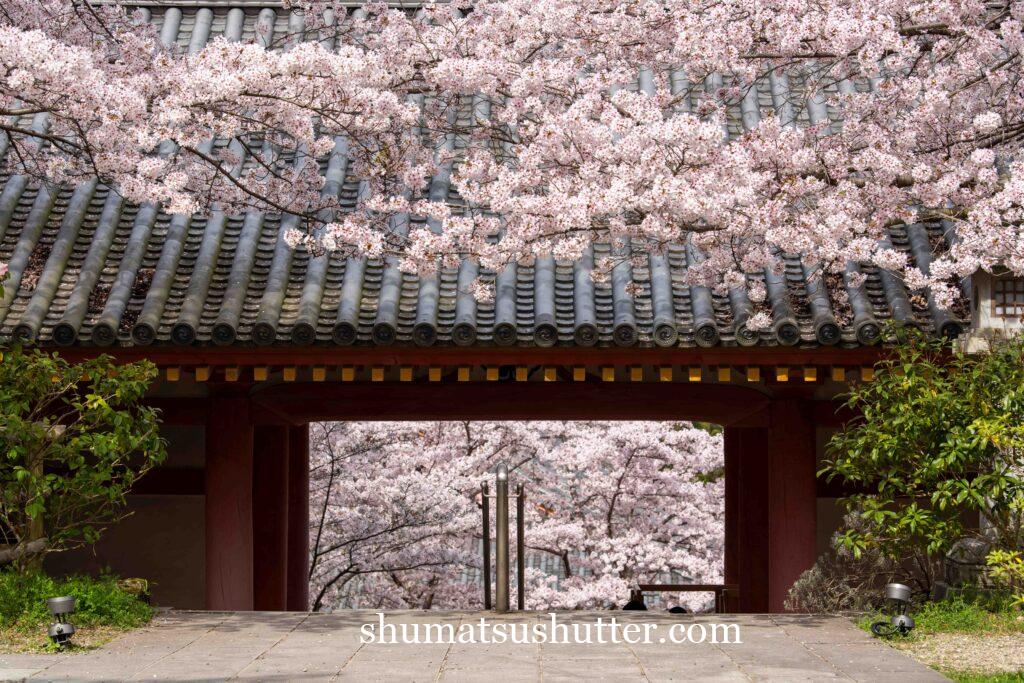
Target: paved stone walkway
(208, 646)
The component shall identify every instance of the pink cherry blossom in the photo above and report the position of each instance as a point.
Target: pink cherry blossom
(515, 128)
(396, 517)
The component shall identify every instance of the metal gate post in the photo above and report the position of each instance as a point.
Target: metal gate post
(501, 524)
(520, 547)
(485, 498)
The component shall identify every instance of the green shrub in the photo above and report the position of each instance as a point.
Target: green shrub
(940, 433)
(959, 616)
(74, 439)
(1007, 570)
(99, 601)
(840, 581)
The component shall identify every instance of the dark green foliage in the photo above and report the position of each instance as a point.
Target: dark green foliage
(74, 438)
(100, 602)
(942, 433)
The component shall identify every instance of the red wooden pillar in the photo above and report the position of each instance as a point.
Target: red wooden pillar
(732, 440)
(748, 460)
(793, 513)
(298, 518)
(229, 578)
(270, 517)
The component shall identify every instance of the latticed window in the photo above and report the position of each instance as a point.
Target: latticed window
(1008, 297)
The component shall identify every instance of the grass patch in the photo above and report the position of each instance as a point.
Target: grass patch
(966, 677)
(957, 616)
(103, 609)
(965, 640)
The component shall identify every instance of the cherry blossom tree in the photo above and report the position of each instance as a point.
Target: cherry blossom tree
(396, 510)
(393, 508)
(747, 127)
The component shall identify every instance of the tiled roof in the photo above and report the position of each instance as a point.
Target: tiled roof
(87, 268)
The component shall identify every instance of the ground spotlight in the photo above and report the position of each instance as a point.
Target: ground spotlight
(61, 628)
(901, 622)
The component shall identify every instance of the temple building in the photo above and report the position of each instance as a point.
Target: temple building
(254, 340)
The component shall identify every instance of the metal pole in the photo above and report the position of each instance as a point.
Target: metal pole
(501, 530)
(486, 498)
(520, 547)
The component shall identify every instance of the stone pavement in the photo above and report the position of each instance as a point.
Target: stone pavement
(208, 646)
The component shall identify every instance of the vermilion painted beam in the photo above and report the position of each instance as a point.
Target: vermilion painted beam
(229, 580)
(455, 356)
(270, 518)
(305, 402)
(298, 518)
(792, 503)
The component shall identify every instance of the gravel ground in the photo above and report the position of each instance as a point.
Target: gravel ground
(970, 652)
(34, 639)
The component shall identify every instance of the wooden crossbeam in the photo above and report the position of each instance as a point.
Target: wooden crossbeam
(546, 373)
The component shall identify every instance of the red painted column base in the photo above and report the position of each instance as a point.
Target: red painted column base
(229, 579)
(770, 506)
(298, 518)
(793, 513)
(270, 518)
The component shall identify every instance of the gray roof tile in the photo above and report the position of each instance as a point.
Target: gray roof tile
(87, 268)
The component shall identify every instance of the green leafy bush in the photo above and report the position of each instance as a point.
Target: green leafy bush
(99, 601)
(1007, 570)
(74, 438)
(940, 433)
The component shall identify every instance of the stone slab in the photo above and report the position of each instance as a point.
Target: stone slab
(269, 646)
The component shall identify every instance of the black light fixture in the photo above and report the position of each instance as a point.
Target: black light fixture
(901, 622)
(61, 629)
